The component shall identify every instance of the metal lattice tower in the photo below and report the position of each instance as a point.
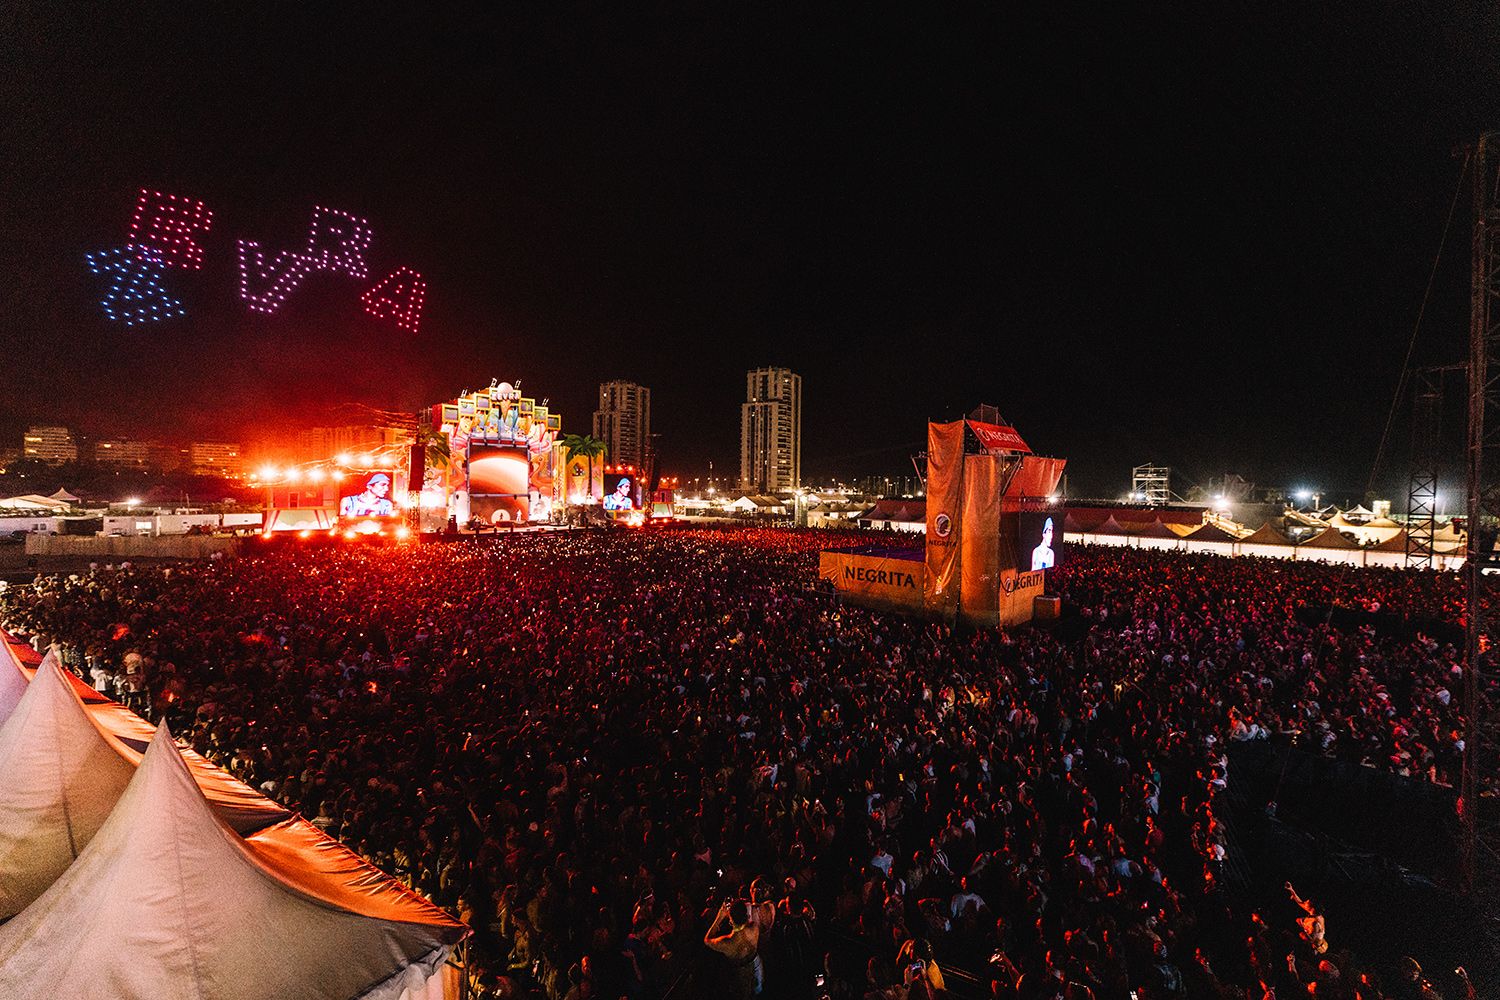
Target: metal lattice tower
(1481, 768)
(1151, 483)
(1428, 386)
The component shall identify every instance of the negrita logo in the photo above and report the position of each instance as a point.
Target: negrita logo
(942, 525)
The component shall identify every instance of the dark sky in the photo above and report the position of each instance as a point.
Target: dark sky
(1197, 236)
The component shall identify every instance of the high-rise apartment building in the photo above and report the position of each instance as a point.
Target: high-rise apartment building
(771, 431)
(214, 458)
(123, 453)
(623, 422)
(53, 445)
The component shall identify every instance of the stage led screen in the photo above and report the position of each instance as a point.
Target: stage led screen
(494, 510)
(1039, 544)
(495, 471)
(367, 493)
(622, 491)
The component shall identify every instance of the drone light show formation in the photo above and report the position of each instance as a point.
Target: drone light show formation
(166, 232)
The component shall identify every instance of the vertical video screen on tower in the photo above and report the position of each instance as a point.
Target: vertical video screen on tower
(1039, 541)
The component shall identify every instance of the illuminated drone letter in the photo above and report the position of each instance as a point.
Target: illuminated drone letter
(337, 241)
(265, 288)
(135, 294)
(398, 296)
(163, 227)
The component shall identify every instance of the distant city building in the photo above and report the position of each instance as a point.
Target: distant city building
(168, 457)
(771, 431)
(623, 422)
(53, 445)
(214, 458)
(890, 486)
(123, 454)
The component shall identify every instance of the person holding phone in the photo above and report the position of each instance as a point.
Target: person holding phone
(735, 936)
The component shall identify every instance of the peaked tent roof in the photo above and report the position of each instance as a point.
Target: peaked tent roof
(168, 902)
(1210, 533)
(1153, 529)
(1074, 521)
(890, 509)
(1396, 543)
(12, 679)
(1330, 539)
(1266, 535)
(63, 495)
(241, 806)
(1109, 526)
(32, 504)
(60, 776)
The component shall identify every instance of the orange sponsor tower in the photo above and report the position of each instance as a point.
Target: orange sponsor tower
(993, 531)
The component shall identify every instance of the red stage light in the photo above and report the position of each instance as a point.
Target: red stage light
(398, 297)
(164, 225)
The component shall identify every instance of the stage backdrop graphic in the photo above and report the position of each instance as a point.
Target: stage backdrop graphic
(945, 470)
(498, 483)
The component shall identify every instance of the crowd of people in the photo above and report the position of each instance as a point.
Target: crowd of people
(671, 764)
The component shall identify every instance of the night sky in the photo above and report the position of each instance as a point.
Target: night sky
(1195, 236)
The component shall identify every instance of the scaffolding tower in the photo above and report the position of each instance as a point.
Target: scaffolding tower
(1428, 385)
(1481, 767)
(1152, 484)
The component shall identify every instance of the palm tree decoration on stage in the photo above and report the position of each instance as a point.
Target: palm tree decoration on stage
(588, 447)
(434, 443)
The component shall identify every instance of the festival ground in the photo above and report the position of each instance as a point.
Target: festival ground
(582, 742)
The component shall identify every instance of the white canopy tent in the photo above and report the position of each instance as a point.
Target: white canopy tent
(60, 776)
(12, 679)
(168, 902)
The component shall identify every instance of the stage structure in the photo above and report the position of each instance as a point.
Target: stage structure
(363, 495)
(505, 461)
(993, 530)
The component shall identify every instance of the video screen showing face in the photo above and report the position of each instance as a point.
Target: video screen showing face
(622, 492)
(498, 471)
(367, 494)
(1040, 542)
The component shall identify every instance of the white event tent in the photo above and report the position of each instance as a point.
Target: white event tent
(168, 902)
(130, 868)
(60, 775)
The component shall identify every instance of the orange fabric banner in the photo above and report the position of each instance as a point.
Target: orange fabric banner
(979, 561)
(1018, 594)
(1037, 477)
(945, 473)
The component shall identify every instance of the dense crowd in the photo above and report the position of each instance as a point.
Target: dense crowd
(648, 764)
